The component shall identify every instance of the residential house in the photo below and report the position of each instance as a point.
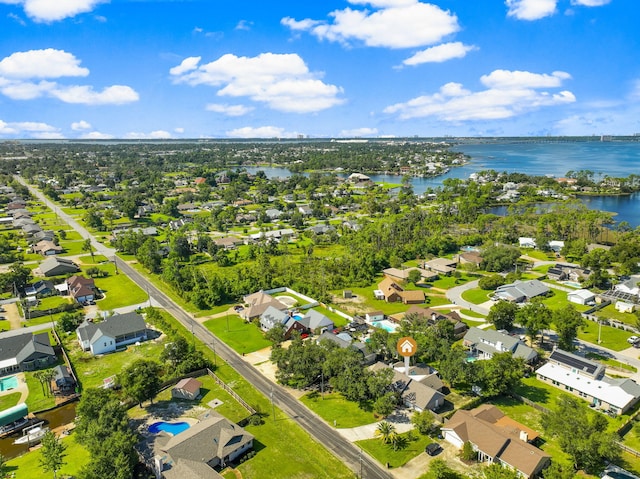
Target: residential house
(520, 291)
(41, 236)
(403, 274)
(321, 229)
(56, 266)
(624, 307)
(25, 351)
(179, 223)
(30, 230)
(227, 242)
(484, 343)
(433, 316)
(273, 213)
(344, 340)
(214, 442)
(372, 316)
(274, 316)
(469, 257)
(257, 303)
(81, 289)
(497, 439)
(557, 274)
(46, 248)
(582, 296)
(392, 292)
(187, 388)
(316, 322)
(64, 382)
(418, 390)
(443, 266)
(305, 210)
(585, 378)
(556, 245)
(41, 288)
(525, 242)
(112, 333)
(274, 235)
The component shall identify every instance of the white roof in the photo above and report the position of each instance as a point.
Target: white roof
(8, 363)
(610, 393)
(62, 287)
(582, 293)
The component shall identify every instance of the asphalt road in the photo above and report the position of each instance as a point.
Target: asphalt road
(358, 461)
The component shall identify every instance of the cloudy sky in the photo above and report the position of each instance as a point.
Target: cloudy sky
(330, 68)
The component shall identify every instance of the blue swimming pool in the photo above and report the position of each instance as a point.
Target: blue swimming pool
(386, 325)
(169, 427)
(8, 383)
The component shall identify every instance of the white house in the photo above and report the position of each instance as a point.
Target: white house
(372, 316)
(624, 307)
(581, 296)
(525, 242)
(112, 333)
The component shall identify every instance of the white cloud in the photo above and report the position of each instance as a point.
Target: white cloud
(504, 79)
(504, 98)
(179, 130)
(261, 132)
(530, 9)
(281, 81)
(96, 135)
(396, 24)
(359, 132)
(48, 63)
(154, 135)
(590, 3)
(31, 129)
(80, 125)
(440, 53)
(53, 10)
(112, 95)
(18, 70)
(229, 110)
(244, 25)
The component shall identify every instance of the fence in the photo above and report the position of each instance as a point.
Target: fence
(231, 392)
(528, 402)
(628, 449)
(67, 361)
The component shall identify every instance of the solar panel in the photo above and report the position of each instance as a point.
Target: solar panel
(573, 361)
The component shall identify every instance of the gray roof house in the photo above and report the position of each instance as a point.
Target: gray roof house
(486, 342)
(520, 291)
(415, 389)
(112, 333)
(316, 322)
(194, 453)
(25, 352)
(55, 266)
(273, 316)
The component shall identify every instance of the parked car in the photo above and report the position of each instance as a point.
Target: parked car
(2, 317)
(2, 310)
(433, 449)
(633, 339)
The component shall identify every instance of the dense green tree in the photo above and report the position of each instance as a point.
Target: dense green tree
(148, 255)
(175, 351)
(438, 469)
(567, 321)
(500, 374)
(93, 219)
(453, 366)
(499, 471)
(385, 404)
(414, 276)
(491, 282)
(502, 315)
(52, 453)
(581, 433)
(534, 317)
(468, 453)
(140, 380)
(87, 247)
(423, 421)
(499, 258)
(558, 471)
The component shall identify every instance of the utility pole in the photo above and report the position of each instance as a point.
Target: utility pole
(273, 406)
(213, 346)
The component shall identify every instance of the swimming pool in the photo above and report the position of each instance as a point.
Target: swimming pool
(297, 317)
(169, 427)
(573, 284)
(8, 383)
(386, 325)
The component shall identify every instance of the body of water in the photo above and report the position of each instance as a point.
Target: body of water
(616, 159)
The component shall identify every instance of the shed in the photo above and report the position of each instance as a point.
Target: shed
(624, 307)
(581, 296)
(187, 388)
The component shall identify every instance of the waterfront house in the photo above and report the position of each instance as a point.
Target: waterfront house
(25, 351)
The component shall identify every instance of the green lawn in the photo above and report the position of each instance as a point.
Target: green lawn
(476, 295)
(9, 400)
(448, 282)
(385, 454)
(336, 318)
(336, 410)
(119, 290)
(72, 248)
(28, 466)
(37, 400)
(91, 370)
(612, 338)
(610, 312)
(97, 259)
(235, 332)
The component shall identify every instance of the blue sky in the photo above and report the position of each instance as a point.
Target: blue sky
(377, 68)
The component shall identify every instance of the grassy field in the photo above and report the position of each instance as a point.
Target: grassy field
(385, 454)
(610, 312)
(240, 335)
(37, 400)
(91, 370)
(119, 290)
(612, 338)
(337, 411)
(28, 466)
(9, 400)
(476, 295)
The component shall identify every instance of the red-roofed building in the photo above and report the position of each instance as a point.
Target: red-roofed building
(81, 289)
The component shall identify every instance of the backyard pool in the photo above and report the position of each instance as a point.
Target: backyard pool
(386, 325)
(168, 427)
(573, 284)
(10, 382)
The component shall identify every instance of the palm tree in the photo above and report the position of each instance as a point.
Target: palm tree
(386, 431)
(48, 376)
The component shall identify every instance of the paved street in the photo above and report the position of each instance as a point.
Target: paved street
(351, 455)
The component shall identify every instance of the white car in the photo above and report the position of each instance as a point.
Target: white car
(633, 339)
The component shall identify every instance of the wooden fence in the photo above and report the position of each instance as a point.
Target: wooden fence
(231, 392)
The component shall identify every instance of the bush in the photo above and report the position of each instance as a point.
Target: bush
(490, 283)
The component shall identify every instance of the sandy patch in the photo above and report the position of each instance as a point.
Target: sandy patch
(288, 301)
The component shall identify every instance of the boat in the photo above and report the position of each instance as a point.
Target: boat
(14, 426)
(32, 436)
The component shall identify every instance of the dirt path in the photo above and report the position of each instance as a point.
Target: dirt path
(12, 315)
